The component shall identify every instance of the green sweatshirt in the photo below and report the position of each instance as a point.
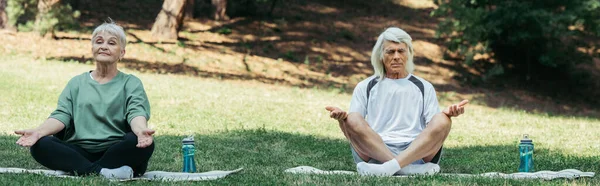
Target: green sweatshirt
(97, 116)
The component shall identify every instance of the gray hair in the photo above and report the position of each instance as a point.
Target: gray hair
(393, 34)
(112, 28)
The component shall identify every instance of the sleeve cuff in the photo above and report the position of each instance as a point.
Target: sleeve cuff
(136, 115)
(63, 119)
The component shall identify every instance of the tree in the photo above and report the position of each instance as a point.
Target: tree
(21, 14)
(44, 20)
(189, 9)
(3, 15)
(42, 16)
(273, 3)
(220, 7)
(526, 38)
(169, 20)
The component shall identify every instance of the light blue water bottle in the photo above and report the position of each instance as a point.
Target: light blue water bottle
(526, 154)
(188, 150)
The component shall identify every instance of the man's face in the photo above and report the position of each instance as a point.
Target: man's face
(395, 56)
(106, 48)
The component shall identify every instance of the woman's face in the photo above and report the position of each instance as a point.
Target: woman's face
(106, 48)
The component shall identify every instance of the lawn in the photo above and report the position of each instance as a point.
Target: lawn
(268, 128)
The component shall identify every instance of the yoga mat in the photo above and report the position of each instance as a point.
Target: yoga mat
(544, 175)
(152, 175)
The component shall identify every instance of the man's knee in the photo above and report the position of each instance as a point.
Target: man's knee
(443, 122)
(354, 122)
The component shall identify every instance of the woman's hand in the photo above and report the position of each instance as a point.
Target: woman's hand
(145, 138)
(28, 137)
(456, 109)
(336, 113)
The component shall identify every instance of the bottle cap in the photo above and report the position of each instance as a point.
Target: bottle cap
(526, 139)
(188, 140)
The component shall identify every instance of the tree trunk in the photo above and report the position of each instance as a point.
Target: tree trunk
(220, 7)
(272, 8)
(42, 22)
(169, 20)
(3, 16)
(189, 9)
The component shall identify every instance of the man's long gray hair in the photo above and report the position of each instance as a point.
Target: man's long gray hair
(393, 34)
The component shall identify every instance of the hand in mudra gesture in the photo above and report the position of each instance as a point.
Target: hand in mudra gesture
(456, 109)
(336, 113)
(145, 138)
(28, 137)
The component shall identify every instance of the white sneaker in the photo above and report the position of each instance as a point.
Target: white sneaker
(121, 173)
(420, 169)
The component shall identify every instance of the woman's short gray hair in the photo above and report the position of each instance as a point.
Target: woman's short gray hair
(393, 34)
(112, 28)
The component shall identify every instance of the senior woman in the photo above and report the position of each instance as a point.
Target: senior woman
(100, 123)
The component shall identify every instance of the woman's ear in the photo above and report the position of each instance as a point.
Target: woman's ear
(122, 54)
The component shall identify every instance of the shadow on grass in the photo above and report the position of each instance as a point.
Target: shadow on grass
(330, 37)
(186, 69)
(335, 37)
(258, 151)
(264, 155)
(327, 34)
(505, 158)
(536, 98)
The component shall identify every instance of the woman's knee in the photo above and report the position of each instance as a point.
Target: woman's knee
(44, 141)
(130, 136)
(43, 145)
(132, 140)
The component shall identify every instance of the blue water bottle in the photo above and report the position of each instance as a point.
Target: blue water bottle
(188, 150)
(526, 154)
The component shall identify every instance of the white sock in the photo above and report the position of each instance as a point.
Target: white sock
(124, 172)
(386, 169)
(420, 169)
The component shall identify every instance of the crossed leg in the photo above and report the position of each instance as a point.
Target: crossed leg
(58, 155)
(369, 144)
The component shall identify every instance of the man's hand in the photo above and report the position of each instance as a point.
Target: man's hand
(456, 109)
(28, 137)
(145, 138)
(336, 113)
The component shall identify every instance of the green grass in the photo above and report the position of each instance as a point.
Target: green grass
(266, 129)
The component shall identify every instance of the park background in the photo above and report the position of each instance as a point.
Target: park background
(252, 84)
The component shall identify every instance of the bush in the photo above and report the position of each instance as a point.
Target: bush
(20, 11)
(60, 17)
(22, 14)
(534, 37)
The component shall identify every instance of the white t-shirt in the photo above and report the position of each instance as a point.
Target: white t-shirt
(395, 107)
